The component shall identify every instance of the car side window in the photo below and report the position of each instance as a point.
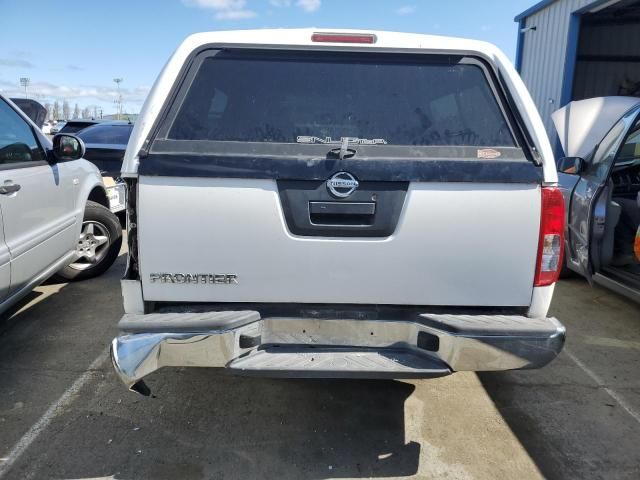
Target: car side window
(605, 154)
(18, 143)
(629, 154)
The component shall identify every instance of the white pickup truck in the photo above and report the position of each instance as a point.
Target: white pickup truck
(339, 204)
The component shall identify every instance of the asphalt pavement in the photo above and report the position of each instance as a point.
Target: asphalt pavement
(64, 414)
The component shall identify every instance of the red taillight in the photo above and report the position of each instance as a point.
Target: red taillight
(551, 243)
(343, 37)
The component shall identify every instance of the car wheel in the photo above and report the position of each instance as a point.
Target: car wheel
(98, 246)
(566, 272)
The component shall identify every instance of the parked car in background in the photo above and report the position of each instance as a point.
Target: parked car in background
(56, 126)
(55, 217)
(339, 204)
(105, 145)
(46, 128)
(76, 125)
(600, 179)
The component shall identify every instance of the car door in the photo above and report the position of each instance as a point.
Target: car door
(590, 200)
(36, 200)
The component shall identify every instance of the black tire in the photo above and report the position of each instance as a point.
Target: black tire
(102, 220)
(566, 272)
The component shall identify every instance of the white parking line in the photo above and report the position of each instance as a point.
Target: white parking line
(612, 393)
(52, 412)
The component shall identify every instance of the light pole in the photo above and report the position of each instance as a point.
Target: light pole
(24, 82)
(119, 99)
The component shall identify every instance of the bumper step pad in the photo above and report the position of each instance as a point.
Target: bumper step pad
(186, 322)
(502, 325)
(337, 363)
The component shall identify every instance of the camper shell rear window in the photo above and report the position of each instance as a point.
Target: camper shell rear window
(422, 103)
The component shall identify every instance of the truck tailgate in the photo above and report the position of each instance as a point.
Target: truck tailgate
(461, 244)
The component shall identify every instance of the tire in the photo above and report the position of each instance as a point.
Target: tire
(566, 272)
(98, 225)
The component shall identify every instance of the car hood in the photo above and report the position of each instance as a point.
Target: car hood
(582, 124)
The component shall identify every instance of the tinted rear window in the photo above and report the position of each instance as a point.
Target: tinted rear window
(74, 127)
(312, 98)
(114, 134)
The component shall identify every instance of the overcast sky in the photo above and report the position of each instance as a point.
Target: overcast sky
(72, 49)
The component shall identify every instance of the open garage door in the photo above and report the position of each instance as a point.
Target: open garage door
(608, 51)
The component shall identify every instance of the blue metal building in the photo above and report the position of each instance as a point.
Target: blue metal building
(574, 49)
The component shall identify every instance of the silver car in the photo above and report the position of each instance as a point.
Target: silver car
(600, 179)
(54, 209)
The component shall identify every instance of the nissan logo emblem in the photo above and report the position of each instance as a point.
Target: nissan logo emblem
(342, 184)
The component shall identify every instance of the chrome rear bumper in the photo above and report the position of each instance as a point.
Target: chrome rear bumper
(428, 345)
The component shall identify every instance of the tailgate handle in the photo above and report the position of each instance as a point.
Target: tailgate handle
(346, 214)
(342, 208)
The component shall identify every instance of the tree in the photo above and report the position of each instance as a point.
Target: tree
(65, 110)
(56, 110)
(48, 107)
(76, 111)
